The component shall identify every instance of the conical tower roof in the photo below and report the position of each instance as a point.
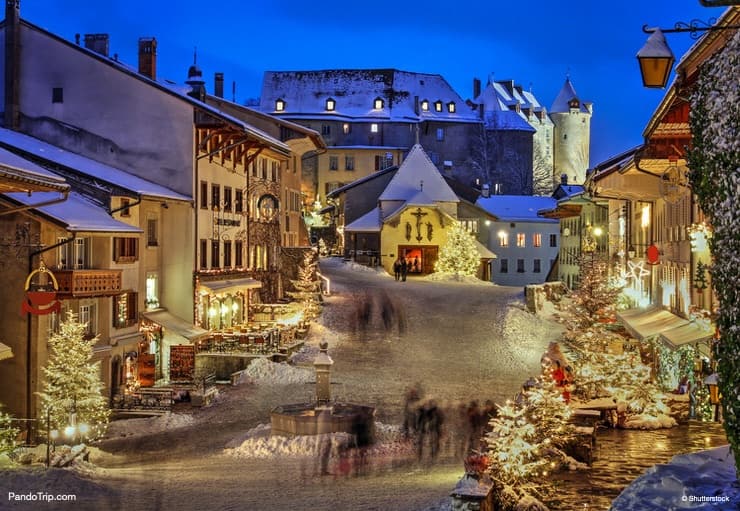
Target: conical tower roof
(562, 102)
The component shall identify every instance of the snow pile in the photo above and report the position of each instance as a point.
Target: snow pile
(353, 266)
(263, 371)
(306, 355)
(521, 324)
(148, 425)
(257, 443)
(647, 421)
(702, 480)
(456, 277)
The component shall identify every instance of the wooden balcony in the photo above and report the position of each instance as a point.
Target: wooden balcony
(88, 283)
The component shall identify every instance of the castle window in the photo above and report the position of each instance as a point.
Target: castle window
(425, 106)
(346, 128)
(440, 134)
(451, 107)
(331, 104)
(373, 128)
(279, 105)
(378, 103)
(437, 106)
(57, 95)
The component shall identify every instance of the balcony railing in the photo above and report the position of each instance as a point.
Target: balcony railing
(88, 283)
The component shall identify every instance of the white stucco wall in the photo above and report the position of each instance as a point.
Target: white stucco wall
(545, 253)
(571, 142)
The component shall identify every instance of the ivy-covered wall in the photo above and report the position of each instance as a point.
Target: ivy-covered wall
(714, 161)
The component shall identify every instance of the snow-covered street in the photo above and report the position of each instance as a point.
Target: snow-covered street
(457, 341)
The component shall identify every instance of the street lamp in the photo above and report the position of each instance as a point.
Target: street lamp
(656, 58)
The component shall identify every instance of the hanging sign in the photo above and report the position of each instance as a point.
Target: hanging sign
(41, 295)
(652, 254)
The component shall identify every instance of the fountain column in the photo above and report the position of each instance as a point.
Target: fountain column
(322, 363)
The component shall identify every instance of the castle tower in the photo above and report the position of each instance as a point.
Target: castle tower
(571, 136)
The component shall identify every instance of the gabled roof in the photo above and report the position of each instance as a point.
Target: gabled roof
(567, 93)
(418, 182)
(33, 147)
(76, 214)
(369, 222)
(355, 90)
(517, 208)
(362, 180)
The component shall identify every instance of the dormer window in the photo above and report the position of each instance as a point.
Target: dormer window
(331, 104)
(378, 103)
(279, 105)
(437, 106)
(451, 107)
(425, 106)
(574, 103)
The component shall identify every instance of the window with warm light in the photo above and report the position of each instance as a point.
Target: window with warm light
(451, 107)
(645, 216)
(378, 103)
(437, 106)
(373, 128)
(537, 240)
(425, 106)
(279, 105)
(346, 128)
(331, 104)
(521, 239)
(503, 239)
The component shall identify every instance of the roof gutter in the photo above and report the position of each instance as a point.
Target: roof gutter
(65, 195)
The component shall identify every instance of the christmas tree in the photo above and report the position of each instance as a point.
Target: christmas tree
(72, 392)
(307, 287)
(459, 255)
(596, 296)
(8, 434)
(714, 160)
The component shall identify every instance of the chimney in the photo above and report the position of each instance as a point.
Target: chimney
(485, 191)
(97, 43)
(563, 179)
(148, 57)
(218, 85)
(11, 78)
(476, 88)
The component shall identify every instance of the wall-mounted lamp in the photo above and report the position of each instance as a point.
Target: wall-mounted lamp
(165, 205)
(656, 58)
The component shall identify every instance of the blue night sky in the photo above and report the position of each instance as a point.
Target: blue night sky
(534, 42)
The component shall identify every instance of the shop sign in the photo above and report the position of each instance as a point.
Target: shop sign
(41, 294)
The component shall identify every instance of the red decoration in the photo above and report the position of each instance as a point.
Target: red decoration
(40, 301)
(653, 254)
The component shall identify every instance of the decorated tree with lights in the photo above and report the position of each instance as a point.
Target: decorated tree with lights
(8, 433)
(307, 286)
(72, 393)
(596, 296)
(714, 161)
(459, 255)
(526, 442)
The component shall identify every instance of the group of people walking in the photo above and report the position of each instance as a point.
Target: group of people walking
(461, 427)
(402, 266)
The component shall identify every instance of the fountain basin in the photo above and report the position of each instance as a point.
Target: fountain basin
(303, 419)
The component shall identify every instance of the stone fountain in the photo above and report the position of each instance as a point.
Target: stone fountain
(323, 415)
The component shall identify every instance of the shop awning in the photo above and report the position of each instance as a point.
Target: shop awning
(689, 333)
(175, 325)
(644, 323)
(230, 285)
(5, 351)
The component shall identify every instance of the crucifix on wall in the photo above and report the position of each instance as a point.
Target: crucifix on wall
(418, 214)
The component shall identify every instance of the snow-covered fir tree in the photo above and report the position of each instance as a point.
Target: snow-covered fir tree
(307, 286)
(459, 255)
(596, 296)
(714, 161)
(73, 389)
(8, 433)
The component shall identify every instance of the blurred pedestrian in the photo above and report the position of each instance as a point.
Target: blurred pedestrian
(410, 411)
(404, 269)
(397, 269)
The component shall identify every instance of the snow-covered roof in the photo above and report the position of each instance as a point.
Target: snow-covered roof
(365, 179)
(355, 90)
(517, 208)
(567, 93)
(418, 182)
(76, 214)
(19, 174)
(112, 175)
(504, 105)
(369, 222)
(506, 120)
